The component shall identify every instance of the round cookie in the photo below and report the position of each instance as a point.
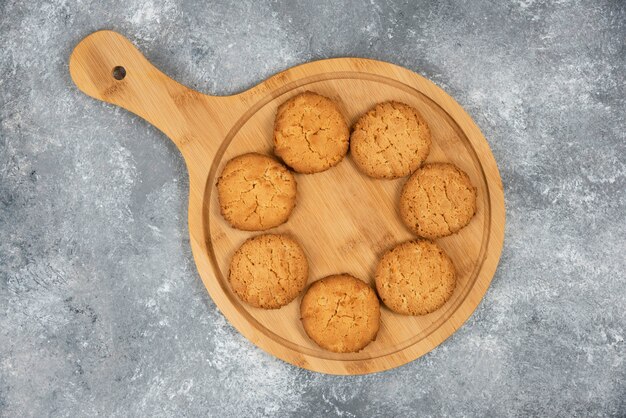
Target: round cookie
(310, 133)
(340, 313)
(437, 200)
(391, 140)
(415, 278)
(268, 271)
(256, 192)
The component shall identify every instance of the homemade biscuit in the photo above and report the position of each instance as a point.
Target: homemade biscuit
(256, 192)
(391, 140)
(268, 271)
(310, 133)
(415, 278)
(340, 313)
(437, 200)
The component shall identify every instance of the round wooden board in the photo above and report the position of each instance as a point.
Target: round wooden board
(344, 220)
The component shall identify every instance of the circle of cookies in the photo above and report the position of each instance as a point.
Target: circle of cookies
(310, 133)
(415, 278)
(268, 271)
(256, 192)
(340, 313)
(390, 141)
(437, 200)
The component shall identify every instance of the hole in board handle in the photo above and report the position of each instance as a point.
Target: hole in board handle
(119, 72)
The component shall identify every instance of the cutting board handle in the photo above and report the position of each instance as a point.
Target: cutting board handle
(107, 66)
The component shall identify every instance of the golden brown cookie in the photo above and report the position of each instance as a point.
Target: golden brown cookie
(268, 271)
(340, 313)
(391, 140)
(256, 192)
(415, 278)
(310, 133)
(437, 200)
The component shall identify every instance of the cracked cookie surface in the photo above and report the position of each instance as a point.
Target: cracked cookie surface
(415, 278)
(256, 192)
(340, 313)
(310, 133)
(268, 271)
(437, 200)
(389, 141)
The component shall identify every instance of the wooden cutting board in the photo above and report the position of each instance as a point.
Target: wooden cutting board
(344, 220)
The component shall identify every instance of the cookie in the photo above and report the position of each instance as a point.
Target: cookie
(310, 133)
(268, 271)
(437, 200)
(340, 313)
(415, 278)
(391, 140)
(256, 192)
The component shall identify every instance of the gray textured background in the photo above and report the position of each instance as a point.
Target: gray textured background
(102, 311)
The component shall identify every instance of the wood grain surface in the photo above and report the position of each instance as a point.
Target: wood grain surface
(344, 220)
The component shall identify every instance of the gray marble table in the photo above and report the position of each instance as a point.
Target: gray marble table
(101, 308)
